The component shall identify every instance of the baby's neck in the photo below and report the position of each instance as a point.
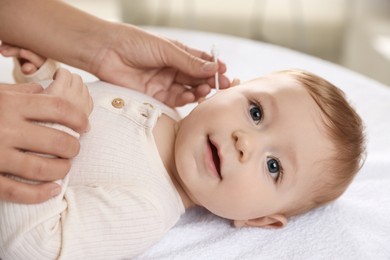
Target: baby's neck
(165, 135)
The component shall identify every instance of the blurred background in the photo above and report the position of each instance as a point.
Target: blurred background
(352, 33)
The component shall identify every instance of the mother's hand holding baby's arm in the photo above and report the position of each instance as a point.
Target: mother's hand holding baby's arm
(20, 106)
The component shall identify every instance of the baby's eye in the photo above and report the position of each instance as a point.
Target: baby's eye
(256, 113)
(274, 168)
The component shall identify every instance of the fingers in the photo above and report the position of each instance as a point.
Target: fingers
(67, 89)
(44, 140)
(27, 55)
(192, 95)
(18, 130)
(202, 91)
(178, 95)
(71, 87)
(9, 51)
(32, 58)
(14, 191)
(205, 56)
(173, 95)
(61, 83)
(17, 99)
(224, 82)
(42, 108)
(33, 167)
(55, 109)
(184, 79)
(28, 68)
(195, 67)
(191, 62)
(29, 61)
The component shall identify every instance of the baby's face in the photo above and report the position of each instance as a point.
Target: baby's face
(251, 150)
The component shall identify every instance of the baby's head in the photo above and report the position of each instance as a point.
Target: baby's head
(270, 148)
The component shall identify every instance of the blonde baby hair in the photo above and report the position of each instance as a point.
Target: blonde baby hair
(345, 130)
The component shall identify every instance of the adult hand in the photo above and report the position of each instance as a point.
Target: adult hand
(71, 87)
(167, 70)
(20, 106)
(118, 53)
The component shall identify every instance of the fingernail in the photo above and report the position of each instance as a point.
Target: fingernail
(208, 66)
(56, 191)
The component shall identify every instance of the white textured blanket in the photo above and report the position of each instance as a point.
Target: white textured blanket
(356, 226)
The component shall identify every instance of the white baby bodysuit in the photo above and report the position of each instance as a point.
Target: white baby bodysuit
(117, 199)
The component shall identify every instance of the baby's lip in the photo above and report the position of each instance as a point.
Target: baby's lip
(216, 156)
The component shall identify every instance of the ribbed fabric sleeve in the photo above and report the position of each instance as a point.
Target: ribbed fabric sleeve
(46, 71)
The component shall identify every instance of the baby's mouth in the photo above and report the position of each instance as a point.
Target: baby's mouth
(216, 159)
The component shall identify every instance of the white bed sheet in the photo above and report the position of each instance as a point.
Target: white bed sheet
(356, 226)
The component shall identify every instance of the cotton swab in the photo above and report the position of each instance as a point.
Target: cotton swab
(215, 54)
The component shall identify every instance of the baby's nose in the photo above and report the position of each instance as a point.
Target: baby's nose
(243, 145)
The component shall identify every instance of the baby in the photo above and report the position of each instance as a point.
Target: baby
(256, 153)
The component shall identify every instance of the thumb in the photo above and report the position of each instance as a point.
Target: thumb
(192, 62)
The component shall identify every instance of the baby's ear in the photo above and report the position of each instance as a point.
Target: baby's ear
(272, 221)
